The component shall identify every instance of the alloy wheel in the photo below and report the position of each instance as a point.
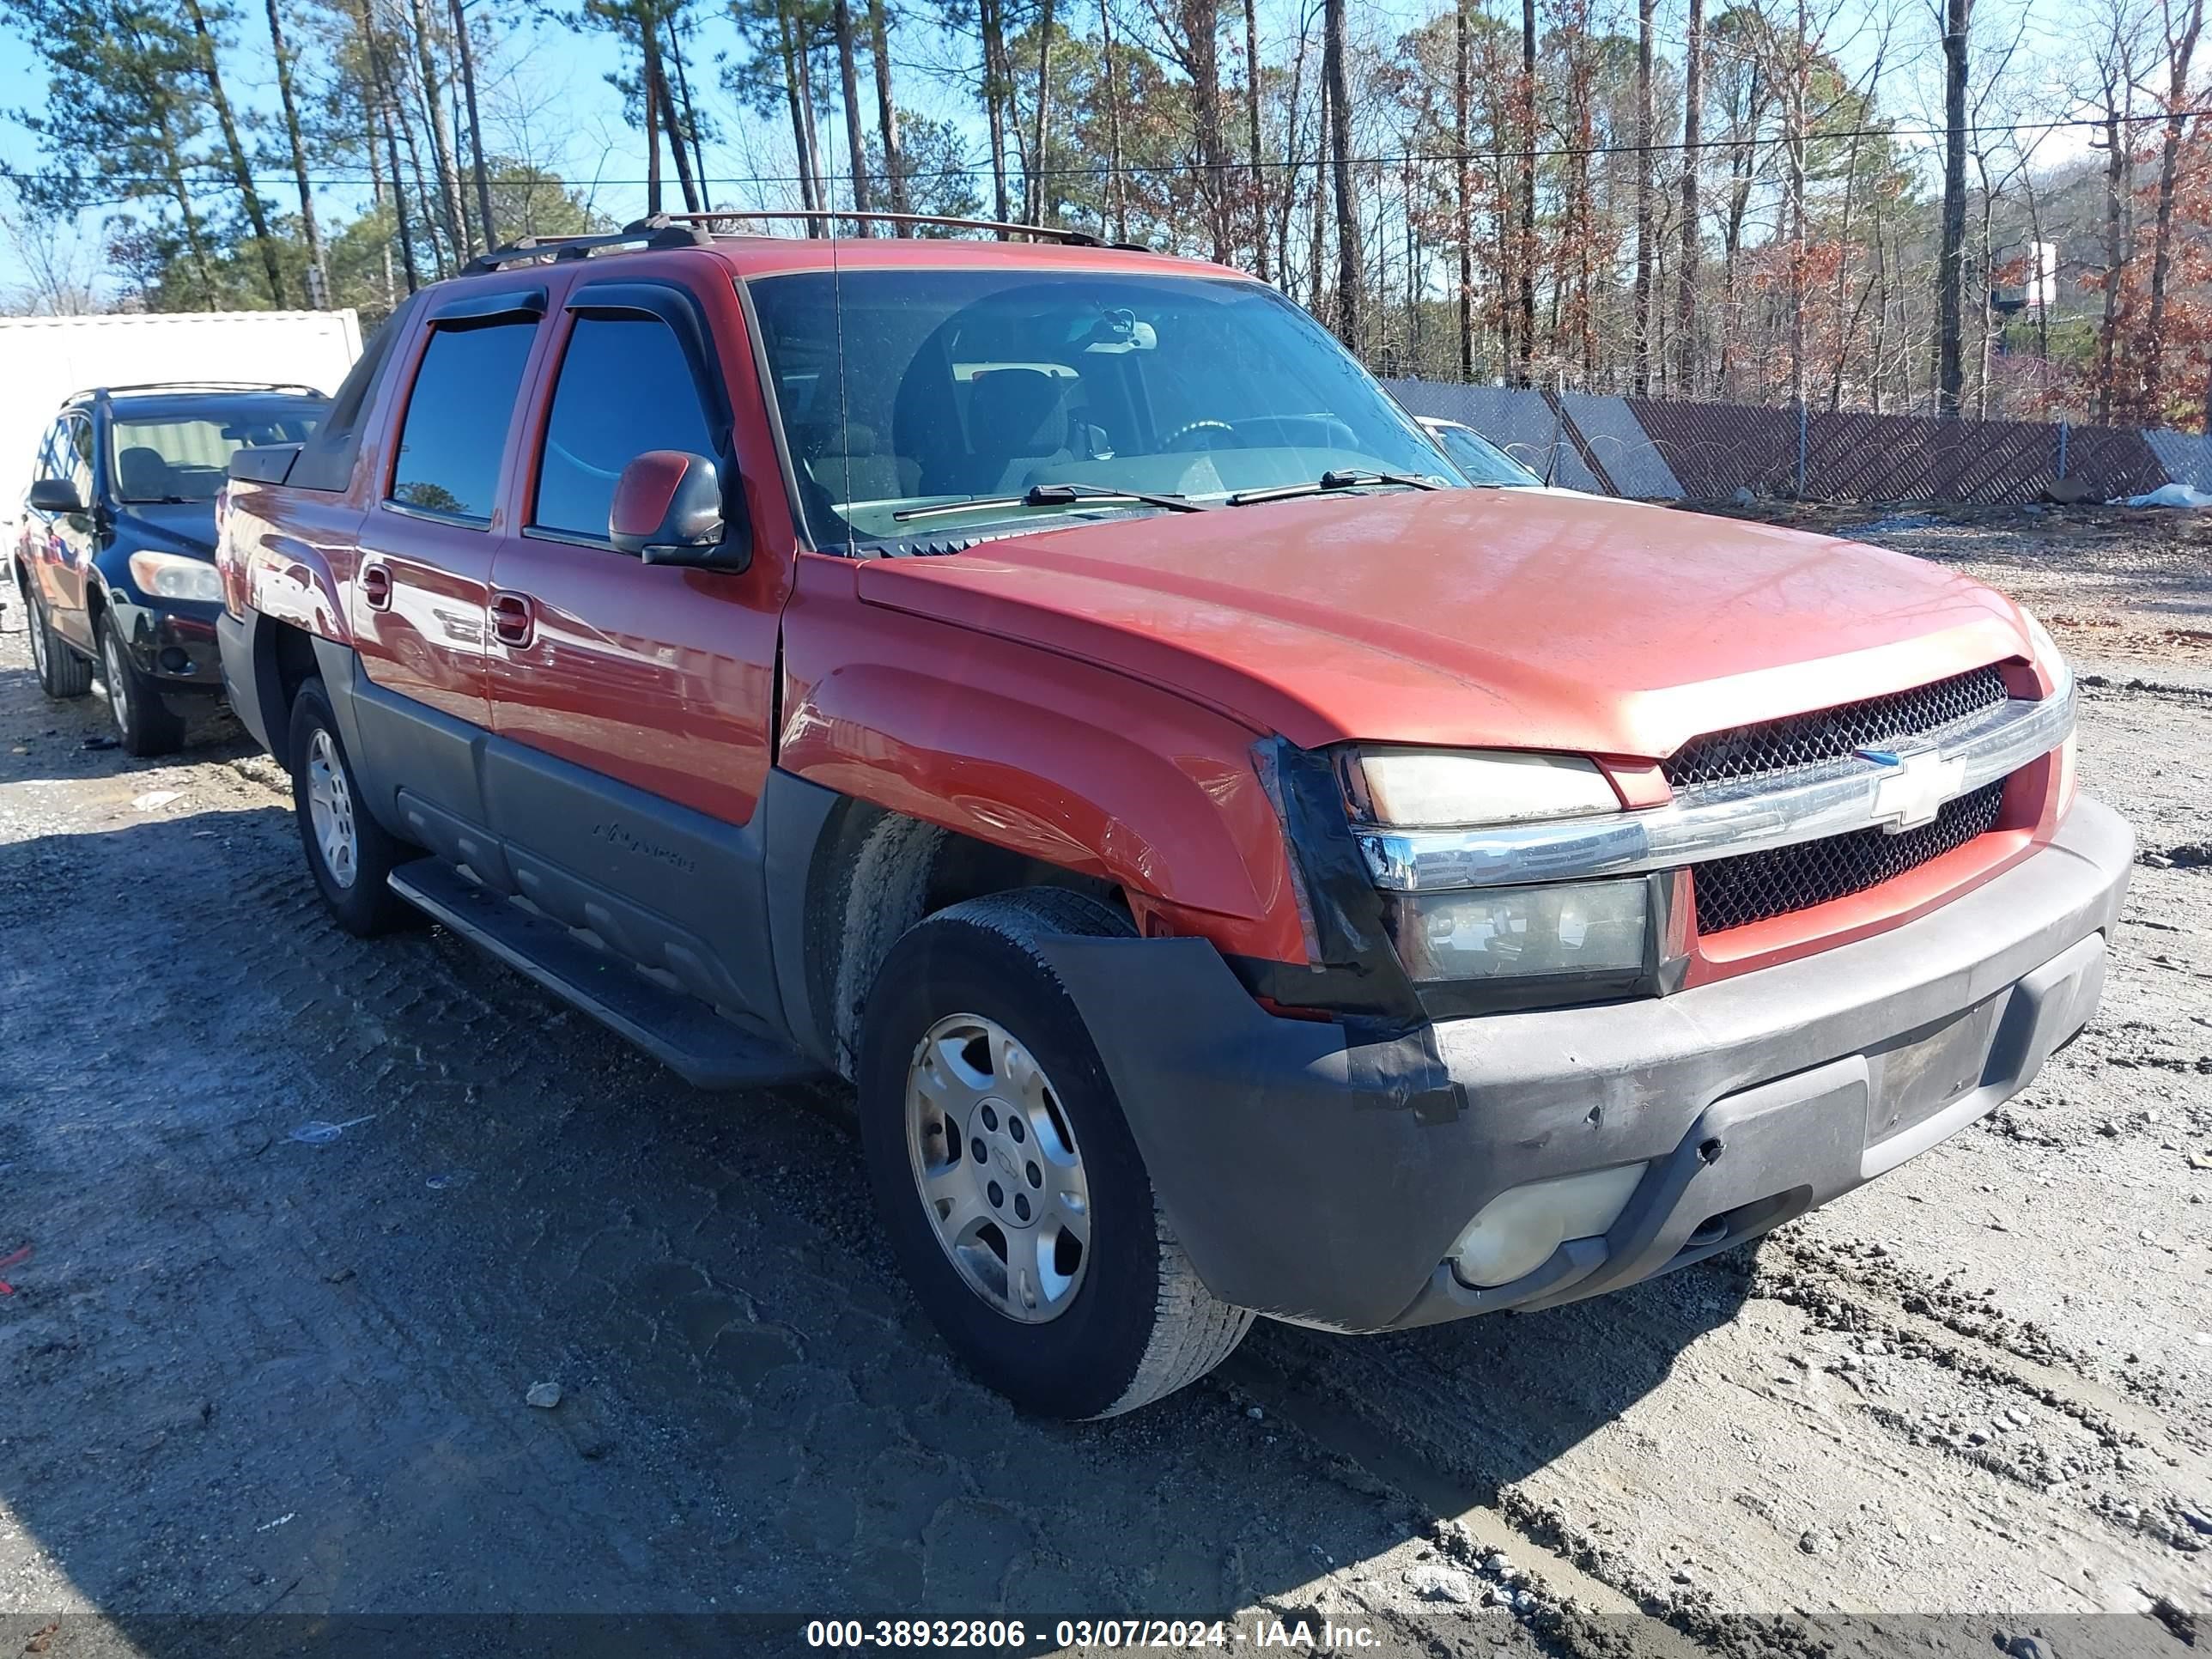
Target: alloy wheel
(997, 1168)
(118, 681)
(329, 805)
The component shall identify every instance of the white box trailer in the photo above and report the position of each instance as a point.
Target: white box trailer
(44, 360)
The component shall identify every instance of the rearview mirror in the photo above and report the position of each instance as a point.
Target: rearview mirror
(668, 510)
(55, 495)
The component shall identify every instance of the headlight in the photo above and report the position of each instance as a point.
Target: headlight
(1428, 788)
(1518, 933)
(173, 576)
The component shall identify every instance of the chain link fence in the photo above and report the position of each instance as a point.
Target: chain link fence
(1655, 450)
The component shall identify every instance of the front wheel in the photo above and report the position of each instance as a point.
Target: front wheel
(1005, 1175)
(348, 853)
(145, 723)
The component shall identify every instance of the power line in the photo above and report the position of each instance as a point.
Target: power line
(1402, 158)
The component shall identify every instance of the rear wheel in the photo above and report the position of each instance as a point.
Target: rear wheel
(145, 723)
(61, 672)
(1005, 1175)
(348, 853)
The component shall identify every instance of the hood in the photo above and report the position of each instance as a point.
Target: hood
(186, 527)
(1465, 617)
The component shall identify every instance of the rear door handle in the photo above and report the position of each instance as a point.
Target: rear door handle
(514, 618)
(376, 587)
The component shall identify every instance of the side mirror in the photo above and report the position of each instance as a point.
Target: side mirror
(55, 495)
(667, 509)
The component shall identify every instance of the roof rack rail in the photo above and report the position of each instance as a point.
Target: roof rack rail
(1063, 234)
(195, 385)
(657, 230)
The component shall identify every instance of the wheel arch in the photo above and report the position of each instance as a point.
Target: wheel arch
(847, 877)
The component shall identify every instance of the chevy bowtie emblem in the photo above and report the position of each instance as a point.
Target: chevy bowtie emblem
(1913, 788)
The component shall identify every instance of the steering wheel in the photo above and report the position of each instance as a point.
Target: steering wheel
(1175, 442)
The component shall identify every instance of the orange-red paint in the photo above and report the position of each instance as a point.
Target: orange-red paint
(1091, 695)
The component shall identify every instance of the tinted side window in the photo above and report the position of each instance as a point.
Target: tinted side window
(456, 419)
(78, 458)
(53, 449)
(625, 388)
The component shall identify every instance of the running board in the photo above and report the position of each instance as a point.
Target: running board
(682, 1032)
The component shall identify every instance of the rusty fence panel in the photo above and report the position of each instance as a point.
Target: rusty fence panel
(1709, 452)
(2113, 461)
(1715, 449)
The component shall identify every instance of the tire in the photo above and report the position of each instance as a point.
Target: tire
(324, 794)
(61, 672)
(143, 720)
(1133, 1321)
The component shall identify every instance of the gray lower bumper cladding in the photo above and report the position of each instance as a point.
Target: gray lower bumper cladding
(1323, 1180)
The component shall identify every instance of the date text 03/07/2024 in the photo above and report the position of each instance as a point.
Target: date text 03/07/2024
(1092, 1635)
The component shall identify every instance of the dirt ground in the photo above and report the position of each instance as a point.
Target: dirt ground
(250, 1364)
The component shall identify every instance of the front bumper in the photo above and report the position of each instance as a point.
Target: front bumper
(172, 644)
(1322, 1179)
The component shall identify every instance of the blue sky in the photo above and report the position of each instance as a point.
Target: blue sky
(547, 98)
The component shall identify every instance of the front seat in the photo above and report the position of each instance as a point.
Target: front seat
(143, 475)
(1018, 428)
(846, 463)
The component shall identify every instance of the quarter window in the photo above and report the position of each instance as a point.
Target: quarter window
(625, 388)
(78, 458)
(53, 451)
(456, 419)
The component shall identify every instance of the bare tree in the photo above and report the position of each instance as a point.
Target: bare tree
(467, 52)
(1041, 209)
(1252, 73)
(282, 57)
(1641, 378)
(2115, 91)
(848, 81)
(241, 169)
(1685, 307)
(2181, 38)
(1463, 187)
(998, 93)
(380, 95)
(60, 275)
(1349, 277)
(1117, 184)
(1951, 263)
(879, 53)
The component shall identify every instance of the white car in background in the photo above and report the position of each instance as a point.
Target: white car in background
(1481, 460)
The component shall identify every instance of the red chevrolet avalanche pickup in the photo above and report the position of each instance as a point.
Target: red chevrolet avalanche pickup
(1245, 864)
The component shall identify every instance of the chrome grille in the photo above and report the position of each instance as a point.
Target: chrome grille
(1734, 892)
(1829, 734)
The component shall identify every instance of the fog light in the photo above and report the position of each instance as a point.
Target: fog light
(1517, 1231)
(175, 661)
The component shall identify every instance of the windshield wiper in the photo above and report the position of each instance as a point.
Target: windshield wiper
(1056, 495)
(1332, 481)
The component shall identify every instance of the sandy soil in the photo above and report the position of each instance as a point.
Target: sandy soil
(250, 1367)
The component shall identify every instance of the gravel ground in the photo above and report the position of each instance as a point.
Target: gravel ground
(251, 1365)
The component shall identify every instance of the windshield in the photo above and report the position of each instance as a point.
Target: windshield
(183, 458)
(1483, 462)
(905, 391)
